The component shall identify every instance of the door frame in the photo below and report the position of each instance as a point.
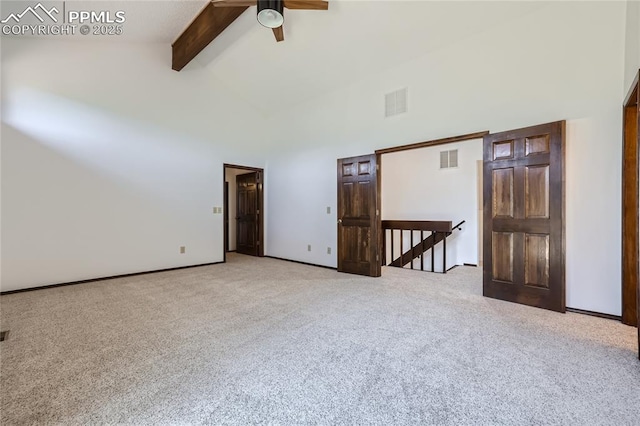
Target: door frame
(261, 181)
(226, 214)
(630, 208)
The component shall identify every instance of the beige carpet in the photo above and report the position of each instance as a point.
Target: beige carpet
(262, 341)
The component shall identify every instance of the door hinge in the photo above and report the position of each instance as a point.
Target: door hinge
(377, 257)
(258, 211)
(377, 212)
(258, 243)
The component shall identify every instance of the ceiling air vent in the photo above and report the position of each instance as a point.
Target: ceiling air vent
(395, 102)
(449, 159)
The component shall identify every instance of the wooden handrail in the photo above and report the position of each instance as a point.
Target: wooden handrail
(418, 225)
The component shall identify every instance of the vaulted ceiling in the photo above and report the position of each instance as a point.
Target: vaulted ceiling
(322, 51)
(327, 50)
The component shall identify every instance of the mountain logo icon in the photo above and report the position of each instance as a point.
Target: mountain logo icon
(33, 11)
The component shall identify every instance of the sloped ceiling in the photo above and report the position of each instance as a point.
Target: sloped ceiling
(329, 49)
(322, 51)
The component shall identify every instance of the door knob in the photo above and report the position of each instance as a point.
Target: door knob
(339, 221)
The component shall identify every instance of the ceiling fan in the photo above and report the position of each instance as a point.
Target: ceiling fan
(219, 14)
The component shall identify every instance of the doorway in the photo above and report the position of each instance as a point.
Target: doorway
(443, 188)
(243, 210)
(522, 212)
(361, 244)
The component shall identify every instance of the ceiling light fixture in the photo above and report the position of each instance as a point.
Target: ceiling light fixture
(270, 13)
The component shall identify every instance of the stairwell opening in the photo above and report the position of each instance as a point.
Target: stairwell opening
(432, 215)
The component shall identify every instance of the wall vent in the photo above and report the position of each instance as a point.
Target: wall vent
(396, 102)
(449, 159)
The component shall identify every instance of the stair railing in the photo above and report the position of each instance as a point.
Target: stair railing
(438, 232)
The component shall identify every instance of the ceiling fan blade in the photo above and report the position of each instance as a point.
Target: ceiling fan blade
(306, 4)
(203, 29)
(279, 33)
(233, 3)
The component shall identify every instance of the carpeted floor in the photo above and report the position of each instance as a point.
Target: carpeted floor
(262, 341)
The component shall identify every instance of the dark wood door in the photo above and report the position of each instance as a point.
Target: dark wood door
(247, 210)
(359, 216)
(523, 197)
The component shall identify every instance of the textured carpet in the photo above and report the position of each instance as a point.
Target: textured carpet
(263, 341)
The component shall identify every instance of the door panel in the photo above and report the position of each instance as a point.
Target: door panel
(503, 256)
(247, 214)
(503, 150)
(536, 260)
(503, 192)
(358, 216)
(523, 186)
(537, 192)
(537, 145)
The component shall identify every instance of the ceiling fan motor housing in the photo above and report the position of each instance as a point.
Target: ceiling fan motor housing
(270, 13)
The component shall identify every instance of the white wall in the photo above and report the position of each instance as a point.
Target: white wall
(564, 61)
(415, 188)
(111, 160)
(632, 46)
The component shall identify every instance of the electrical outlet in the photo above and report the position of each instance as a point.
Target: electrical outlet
(328, 209)
(328, 250)
(309, 247)
(183, 249)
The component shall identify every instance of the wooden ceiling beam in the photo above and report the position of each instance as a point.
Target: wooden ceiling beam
(233, 3)
(203, 30)
(306, 4)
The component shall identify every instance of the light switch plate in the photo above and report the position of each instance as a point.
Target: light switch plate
(328, 209)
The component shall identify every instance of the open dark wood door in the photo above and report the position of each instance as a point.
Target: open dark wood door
(247, 211)
(523, 196)
(359, 216)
